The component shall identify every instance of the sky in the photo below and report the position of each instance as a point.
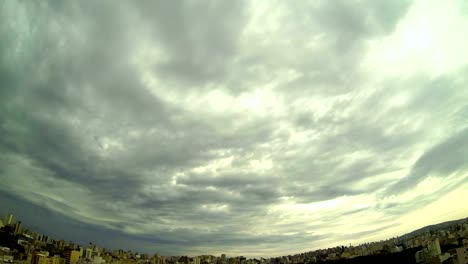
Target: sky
(255, 128)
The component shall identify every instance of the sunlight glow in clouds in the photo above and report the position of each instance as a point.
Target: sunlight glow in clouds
(436, 47)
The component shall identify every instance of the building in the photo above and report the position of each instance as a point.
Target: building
(56, 259)
(18, 229)
(434, 248)
(40, 258)
(9, 219)
(88, 253)
(61, 244)
(72, 256)
(460, 255)
(6, 258)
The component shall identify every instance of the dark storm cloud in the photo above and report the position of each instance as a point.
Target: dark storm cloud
(86, 136)
(200, 37)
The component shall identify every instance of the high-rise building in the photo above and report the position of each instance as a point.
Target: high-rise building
(18, 229)
(61, 244)
(9, 219)
(88, 253)
(434, 248)
(72, 256)
(462, 255)
(29, 258)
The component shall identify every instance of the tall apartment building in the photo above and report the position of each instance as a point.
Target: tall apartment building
(9, 219)
(60, 244)
(72, 256)
(18, 228)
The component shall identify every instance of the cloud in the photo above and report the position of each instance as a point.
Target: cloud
(442, 160)
(215, 127)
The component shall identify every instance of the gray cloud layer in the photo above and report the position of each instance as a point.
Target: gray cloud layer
(134, 120)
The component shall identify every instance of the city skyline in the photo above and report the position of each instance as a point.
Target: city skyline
(414, 239)
(236, 127)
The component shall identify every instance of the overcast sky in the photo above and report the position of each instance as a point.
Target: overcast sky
(255, 128)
